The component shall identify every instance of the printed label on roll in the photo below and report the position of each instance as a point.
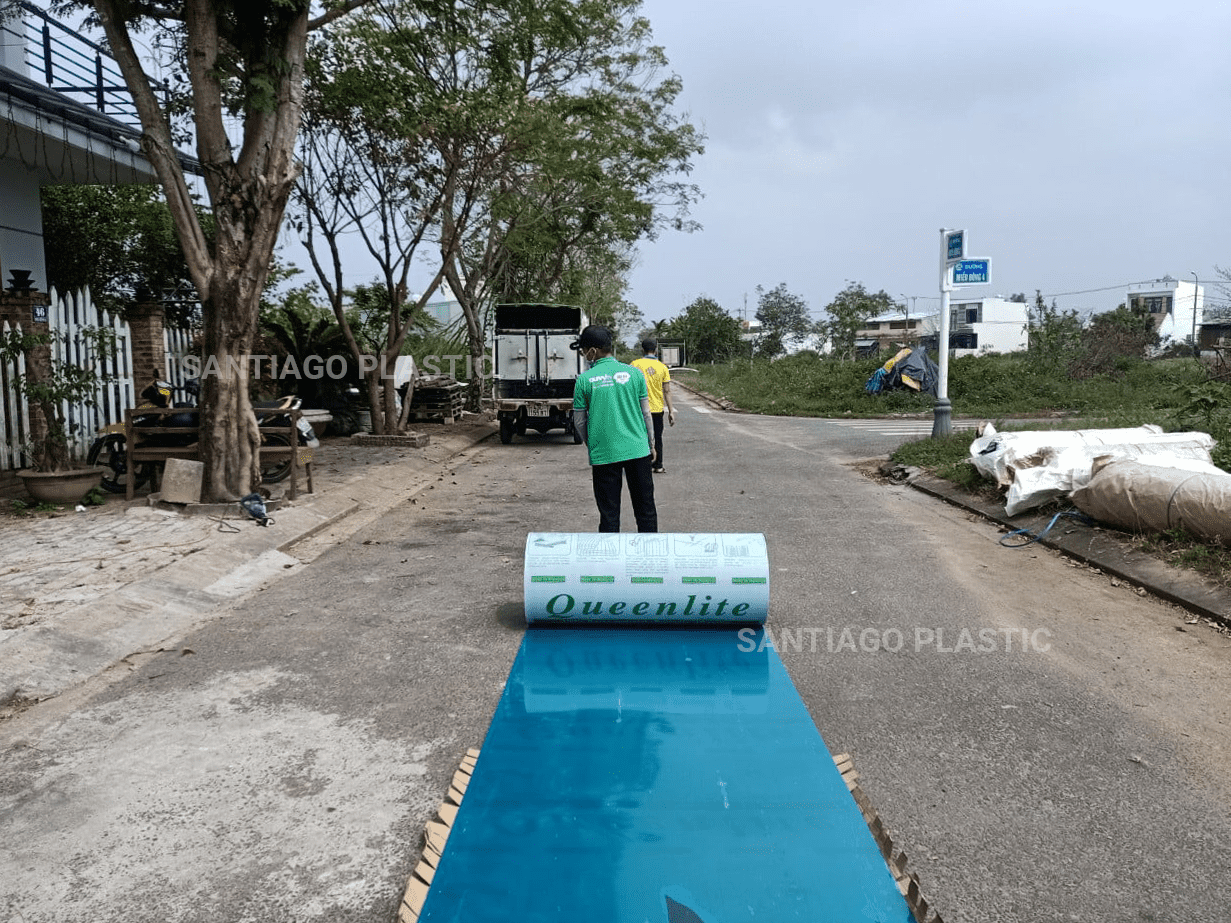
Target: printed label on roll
(664, 577)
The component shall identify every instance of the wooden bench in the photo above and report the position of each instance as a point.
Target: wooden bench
(135, 453)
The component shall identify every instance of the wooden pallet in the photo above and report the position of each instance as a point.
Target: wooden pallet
(436, 399)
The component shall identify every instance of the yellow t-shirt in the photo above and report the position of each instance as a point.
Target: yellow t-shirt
(656, 375)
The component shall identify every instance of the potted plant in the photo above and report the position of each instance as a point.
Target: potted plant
(53, 385)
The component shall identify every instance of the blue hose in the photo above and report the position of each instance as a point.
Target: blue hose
(1032, 538)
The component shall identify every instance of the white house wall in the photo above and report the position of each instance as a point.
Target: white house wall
(21, 224)
(1003, 329)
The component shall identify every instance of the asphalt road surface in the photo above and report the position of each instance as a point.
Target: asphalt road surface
(1044, 745)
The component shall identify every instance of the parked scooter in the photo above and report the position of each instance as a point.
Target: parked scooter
(109, 448)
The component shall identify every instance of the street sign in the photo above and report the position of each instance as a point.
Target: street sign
(972, 272)
(955, 245)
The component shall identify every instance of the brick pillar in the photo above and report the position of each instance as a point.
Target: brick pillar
(29, 309)
(145, 321)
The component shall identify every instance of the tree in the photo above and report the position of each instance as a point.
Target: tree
(1112, 341)
(847, 313)
(243, 61)
(709, 333)
(784, 320)
(370, 171)
(1054, 337)
(563, 142)
(117, 240)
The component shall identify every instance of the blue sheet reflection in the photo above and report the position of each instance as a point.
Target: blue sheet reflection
(662, 775)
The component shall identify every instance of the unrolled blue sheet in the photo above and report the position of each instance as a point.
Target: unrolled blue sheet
(657, 776)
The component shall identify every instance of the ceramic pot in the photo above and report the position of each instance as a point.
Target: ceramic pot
(61, 486)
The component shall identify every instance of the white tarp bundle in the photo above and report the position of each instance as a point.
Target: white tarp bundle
(1148, 497)
(1038, 466)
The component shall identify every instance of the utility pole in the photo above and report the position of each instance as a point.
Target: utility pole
(1196, 346)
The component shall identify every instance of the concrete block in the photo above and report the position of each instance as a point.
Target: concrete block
(181, 481)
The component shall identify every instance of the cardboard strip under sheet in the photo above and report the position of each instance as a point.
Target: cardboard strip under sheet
(646, 578)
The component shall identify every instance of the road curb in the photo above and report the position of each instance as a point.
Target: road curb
(718, 403)
(1094, 546)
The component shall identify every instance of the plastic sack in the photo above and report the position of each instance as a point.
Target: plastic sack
(994, 454)
(1140, 497)
(1065, 470)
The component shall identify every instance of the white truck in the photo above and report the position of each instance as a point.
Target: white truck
(534, 368)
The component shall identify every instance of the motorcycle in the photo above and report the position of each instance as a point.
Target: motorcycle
(109, 448)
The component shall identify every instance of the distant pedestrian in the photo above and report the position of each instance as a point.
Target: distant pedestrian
(611, 411)
(658, 384)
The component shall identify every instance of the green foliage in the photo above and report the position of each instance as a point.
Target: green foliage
(784, 320)
(947, 457)
(535, 143)
(96, 497)
(54, 386)
(1113, 342)
(847, 313)
(1181, 549)
(298, 329)
(989, 387)
(1054, 336)
(118, 240)
(709, 333)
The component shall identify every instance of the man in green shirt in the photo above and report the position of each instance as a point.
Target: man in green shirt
(611, 412)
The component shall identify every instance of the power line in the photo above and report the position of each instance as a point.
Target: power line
(1125, 285)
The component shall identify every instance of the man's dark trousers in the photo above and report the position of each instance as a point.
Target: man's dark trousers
(608, 482)
(658, 437)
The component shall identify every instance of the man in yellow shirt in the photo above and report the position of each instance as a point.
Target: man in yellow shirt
(658, 385)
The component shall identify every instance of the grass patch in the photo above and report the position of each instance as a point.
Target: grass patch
(1180, 549)
(1176, 394)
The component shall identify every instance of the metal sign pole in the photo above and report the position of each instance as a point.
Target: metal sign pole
(952, 248)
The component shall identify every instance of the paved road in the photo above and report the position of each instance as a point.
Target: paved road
(1043, 744)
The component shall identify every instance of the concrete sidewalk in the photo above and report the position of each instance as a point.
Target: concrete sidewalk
(80, 592)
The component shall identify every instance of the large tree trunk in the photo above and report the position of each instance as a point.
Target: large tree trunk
(230, 439)
(248, 189)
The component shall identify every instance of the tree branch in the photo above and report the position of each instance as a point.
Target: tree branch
(330, 15)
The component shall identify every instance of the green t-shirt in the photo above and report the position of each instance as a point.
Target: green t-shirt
(610, 392)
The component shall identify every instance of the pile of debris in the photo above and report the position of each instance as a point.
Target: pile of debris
(909, 370)
(1136, 478)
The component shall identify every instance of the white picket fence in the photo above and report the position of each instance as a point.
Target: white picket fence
(70, 317)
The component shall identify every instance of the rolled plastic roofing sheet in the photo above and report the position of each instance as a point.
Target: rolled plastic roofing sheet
(659, 578)
(657, 775)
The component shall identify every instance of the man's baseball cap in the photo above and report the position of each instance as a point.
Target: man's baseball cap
(593, 337)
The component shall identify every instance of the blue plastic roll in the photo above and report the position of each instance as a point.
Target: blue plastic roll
(665, 578)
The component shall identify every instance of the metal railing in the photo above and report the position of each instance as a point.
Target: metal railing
(69, 63)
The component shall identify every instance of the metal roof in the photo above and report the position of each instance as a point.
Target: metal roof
(65, 141)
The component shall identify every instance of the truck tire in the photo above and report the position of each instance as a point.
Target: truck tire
(506, 430)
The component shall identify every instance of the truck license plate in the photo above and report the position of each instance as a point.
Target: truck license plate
(538, 409)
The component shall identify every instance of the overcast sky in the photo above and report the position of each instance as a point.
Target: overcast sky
(1082, 145)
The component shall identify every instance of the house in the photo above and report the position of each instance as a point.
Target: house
(446, 311)
(981, 325)
(49, 137)
(891, 331)
(1176, 307)
(65, 118)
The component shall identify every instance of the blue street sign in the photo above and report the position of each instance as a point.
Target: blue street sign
(972, 272)
(955, 244)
